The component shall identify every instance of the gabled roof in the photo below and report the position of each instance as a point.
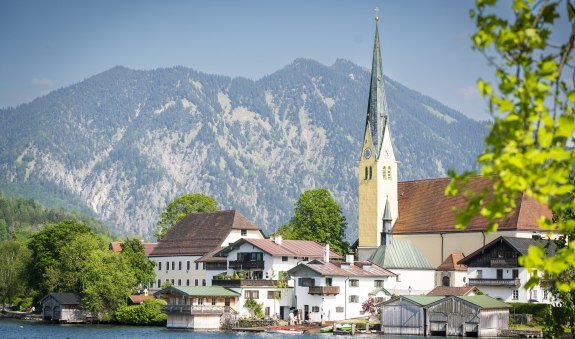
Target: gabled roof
(357, 269)
(116, 246)
(451, 263)
(296, 248)
(424, 208)
(484, 301)
(400, 254)
(421, 300)
(212, 256)
(139, 298)
(519, 245)
(199, 233)
(199, 291)
(65, 298)
(452, 290)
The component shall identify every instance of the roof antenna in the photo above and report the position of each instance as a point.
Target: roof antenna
(376, 13)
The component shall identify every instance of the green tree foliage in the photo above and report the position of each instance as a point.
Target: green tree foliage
(14, 256)
(148, 313)
(255, 308)
(317, 217)
(46, 248)
(533, 122)
(182, 206)
(133, 253)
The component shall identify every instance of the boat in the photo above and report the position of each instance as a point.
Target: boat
(284, 330)
(326, 329)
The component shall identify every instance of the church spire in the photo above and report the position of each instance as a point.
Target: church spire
(377, 106)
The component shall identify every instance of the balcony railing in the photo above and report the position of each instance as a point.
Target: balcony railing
(323, 290)
(196, 309)
(216, 265)
(495, 282)
(245, 265)
(244, 282)
(504, 262)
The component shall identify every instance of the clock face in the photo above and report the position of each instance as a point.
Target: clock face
(367, 153)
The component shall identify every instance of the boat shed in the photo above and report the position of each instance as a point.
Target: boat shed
(65, 308)
(473, 316)
(406, 314)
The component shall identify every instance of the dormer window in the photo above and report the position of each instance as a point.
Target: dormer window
(244, 233)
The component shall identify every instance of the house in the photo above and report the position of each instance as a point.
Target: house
(116, 246)
(406, 314)
(418, 211)
(65, 308)
(415, 274)
(334, 290)
(199, 307)
(475, 316)
(137, 299)
(494, 269)
(257, 269)
(453, 290)
(451, 273)
(196, 235)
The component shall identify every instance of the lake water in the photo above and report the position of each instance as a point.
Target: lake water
(12, 328)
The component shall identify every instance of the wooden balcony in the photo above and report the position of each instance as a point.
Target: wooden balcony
(495, 282)
(244, 282)
(323, 290)
(246, 265)
(217, 266)
(504, 262)
(196, 309)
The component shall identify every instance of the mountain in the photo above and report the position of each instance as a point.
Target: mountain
(124, 143)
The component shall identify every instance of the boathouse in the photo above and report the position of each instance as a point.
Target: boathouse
(65, 308)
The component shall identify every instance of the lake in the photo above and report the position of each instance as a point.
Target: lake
(12, 328)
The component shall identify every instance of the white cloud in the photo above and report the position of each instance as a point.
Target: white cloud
(468, 92)
(42, 82)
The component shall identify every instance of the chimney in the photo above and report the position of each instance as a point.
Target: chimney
(278, 240)
(349, 258)
(326, 253)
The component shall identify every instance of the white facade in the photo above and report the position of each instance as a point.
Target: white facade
(508, 287)
(411, 282)
(455, 278)
(184, 271)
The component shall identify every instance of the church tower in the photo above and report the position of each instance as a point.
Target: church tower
(377, 169)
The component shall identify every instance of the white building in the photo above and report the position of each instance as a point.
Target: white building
(257, 269)
(494, 269)
(331, 291)
(194, 236)
(451, 273)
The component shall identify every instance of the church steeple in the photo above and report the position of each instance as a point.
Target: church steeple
(377, 106)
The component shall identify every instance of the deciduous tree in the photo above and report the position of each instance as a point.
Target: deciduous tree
(182, 206)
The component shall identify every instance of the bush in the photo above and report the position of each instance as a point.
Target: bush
(538, 310)
(255, 308)
(148, 313)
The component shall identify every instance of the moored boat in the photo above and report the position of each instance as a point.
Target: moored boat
(284, 330)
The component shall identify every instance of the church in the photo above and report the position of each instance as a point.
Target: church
(414, 219)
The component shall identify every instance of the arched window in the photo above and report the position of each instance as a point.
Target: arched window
(365, 173)
(370, 172)
(445, 281)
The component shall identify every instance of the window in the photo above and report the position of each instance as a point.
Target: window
(173, 265)
(398, 278)
(378, 283)
(328, 281)
(196, 282)
(252, 294)
(284, 258)
(172, 282)
(533, 294)
(315, 309)
(305, 259)
(499, 273)
(274, 295)
(188, 265)
(365, 173)
(445, 281)
(214, 301)
(203, 282)
(200, 301)
(244, 233)
(515, 274)
(159, 265)
(515, 294)
(353, 283)
(370, 172)
(179, 282)
(159, 283)
(353, 299)
(167, 265)
(197, 266)
(203, 266)
(152, 284)
(545, 294)
(306, 282)
(227, 302)
(187, 282)
(339, 309)
(179, 265)
(479, 274)
(388, 172)
(267, 312)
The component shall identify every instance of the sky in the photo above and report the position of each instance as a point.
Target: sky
(426, 46)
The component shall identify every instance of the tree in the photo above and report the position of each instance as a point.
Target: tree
(182, 206)
(255, 308)
(317, 217)
(133, 253)
(527, 149)
(13, 260)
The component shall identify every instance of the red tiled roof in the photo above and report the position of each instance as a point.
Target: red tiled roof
(139, 298)
(424, 208)
(211, 256)
(451, 263)
(116, 246)
(357, 269)
(296, 248)
(451, 290)
(199, 233)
